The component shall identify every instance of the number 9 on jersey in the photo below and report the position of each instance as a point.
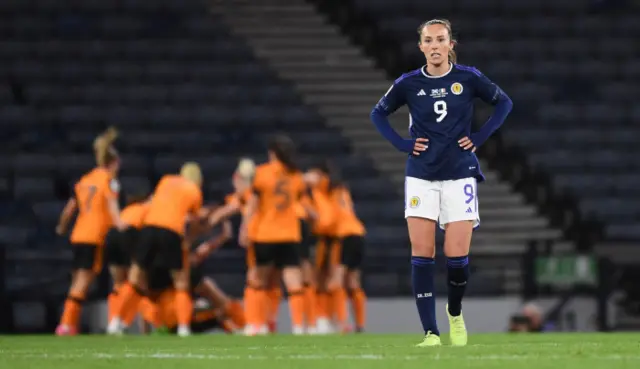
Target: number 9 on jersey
(440, 108)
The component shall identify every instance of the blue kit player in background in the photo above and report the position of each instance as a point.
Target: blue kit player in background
(442, 169)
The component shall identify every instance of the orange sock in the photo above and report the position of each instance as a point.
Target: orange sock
(129, 299)
(310, 306)
(339, 304)
(275, 295)
(322, 305)
(261, 305)
(128, 316)
(296, 307)
(150, 312)
(112, 302)
(184, 306)
(249, 302)
(359, 305)
(72, 311)
(234, 311)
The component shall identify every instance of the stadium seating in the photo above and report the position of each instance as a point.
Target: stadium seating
(177, 85)
(572, 73)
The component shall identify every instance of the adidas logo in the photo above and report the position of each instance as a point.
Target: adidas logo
(422, 93)
(469, 210)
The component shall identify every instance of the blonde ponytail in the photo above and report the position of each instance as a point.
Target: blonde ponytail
(102, 146)
(452, 56)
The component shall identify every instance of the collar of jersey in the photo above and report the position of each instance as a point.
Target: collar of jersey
(424, 71)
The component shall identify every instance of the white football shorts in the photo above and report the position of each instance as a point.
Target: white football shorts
(442, 201)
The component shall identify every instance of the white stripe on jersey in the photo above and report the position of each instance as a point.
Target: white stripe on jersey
(389, 90)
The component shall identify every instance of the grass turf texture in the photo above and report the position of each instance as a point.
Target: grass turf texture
(496, 351)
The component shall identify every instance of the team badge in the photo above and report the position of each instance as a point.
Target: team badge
(456, 88)
(414, 202)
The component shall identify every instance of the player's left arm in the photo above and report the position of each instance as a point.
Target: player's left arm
(491, 94)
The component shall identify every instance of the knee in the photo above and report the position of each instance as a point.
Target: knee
(82, 281)
(423, 248)
(422, 234)
(457, 240)
(255, 282)
(456, 248)
(135, 275)
(292, 278)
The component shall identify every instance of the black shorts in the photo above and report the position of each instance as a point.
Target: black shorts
(120, 246)
(159, 248)
(324, 245)
(352, 252)
(159, 279)
(280, 255)
(307, 241)
(87, 256)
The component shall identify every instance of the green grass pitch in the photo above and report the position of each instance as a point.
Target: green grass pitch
(496, 351)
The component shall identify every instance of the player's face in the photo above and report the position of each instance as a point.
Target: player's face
(435, 43)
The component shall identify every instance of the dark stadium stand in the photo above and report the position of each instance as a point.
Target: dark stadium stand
(177, 85)
(569, 143)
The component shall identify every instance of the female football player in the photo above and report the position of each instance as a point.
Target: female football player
(442, 169)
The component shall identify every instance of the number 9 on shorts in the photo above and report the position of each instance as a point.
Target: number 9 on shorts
(443, 201)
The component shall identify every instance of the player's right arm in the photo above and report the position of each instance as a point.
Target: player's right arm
(231, 208)
(66, 215)
(206, 248)
(388, 104)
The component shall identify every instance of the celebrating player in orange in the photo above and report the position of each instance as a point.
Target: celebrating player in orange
(119, 246)
(96, 200)
(277, 186)
(176, 199)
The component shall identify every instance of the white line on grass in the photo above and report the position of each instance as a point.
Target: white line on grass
(364, 357)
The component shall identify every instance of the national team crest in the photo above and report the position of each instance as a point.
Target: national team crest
(414, 202)
(456, 88)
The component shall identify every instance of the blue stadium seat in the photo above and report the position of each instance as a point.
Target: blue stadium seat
(48, 211)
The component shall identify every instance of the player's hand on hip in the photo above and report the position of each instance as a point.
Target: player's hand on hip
(466, 144)
(420, 145)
